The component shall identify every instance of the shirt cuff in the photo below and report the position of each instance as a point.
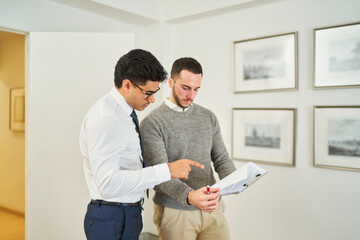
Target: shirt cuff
(162, 172)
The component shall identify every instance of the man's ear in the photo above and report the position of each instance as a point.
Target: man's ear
(126, 84)
(171, 82)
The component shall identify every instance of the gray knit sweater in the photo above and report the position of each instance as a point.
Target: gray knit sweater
(169, 135)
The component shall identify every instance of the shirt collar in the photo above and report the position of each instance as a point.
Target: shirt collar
(120, 100)
(175, 107)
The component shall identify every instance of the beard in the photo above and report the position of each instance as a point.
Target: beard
(177, 99)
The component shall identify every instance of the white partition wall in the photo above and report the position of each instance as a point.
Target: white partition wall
(66, 74)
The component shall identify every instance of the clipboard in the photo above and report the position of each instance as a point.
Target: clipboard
(240, 179)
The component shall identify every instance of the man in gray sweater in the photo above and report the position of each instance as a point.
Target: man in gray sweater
(185, 209)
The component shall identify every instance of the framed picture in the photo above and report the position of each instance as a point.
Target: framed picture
(337, 137)
(264, 135)
(337, 56)
(17, 109)
(266, 64)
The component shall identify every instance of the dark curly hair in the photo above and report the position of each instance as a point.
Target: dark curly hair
(186, 63)
(139, 66)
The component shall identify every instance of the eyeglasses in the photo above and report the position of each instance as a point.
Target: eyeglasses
(147, 93)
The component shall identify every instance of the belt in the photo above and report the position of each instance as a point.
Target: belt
(103, 202)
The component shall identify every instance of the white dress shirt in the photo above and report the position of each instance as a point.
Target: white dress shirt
(175, 107)
(111, 152)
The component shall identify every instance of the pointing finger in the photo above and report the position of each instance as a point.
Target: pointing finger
(195, 164)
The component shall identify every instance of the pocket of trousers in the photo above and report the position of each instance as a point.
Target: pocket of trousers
(158, 214)
(96, 229)
(103, 222)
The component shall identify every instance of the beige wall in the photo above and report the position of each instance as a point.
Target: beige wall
(12, 144)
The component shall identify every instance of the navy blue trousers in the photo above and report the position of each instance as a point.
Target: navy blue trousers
(103, 222)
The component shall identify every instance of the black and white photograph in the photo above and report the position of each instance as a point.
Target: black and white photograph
(263, 64)
(344, 137)
(337, 137)
(344, 55)
(337, 56)
(264, 135)
(266, 63)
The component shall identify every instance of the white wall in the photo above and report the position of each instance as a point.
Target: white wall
(49, 16)
(68, 72)
(289, 203)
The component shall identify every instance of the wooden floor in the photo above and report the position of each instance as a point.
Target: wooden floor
(12, 227)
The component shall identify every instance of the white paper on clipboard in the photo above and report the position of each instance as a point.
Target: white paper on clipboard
(240, 180)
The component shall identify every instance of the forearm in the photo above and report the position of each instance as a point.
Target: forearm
(176, 189)
(223, 164)
(120, 183)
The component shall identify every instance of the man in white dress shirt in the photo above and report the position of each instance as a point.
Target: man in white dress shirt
(112, 151)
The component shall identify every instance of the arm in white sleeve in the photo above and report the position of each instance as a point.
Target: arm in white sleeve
(115, 163)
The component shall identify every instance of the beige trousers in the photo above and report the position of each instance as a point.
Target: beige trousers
(175, 224)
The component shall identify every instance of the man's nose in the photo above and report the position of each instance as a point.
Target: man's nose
(151, 99)
(191, 95)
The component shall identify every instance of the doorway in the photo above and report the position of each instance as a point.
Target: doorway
(12, 141)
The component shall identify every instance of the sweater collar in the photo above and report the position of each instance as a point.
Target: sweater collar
(175, 107)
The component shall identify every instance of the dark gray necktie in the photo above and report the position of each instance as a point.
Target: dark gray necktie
(137, 128)
(136, 122)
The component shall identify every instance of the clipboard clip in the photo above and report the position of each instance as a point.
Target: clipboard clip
(252, 181)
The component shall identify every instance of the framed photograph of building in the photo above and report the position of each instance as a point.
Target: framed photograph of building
(264, 135)
(17, 109)
(337, 56)
(266, 63)
(337, 137)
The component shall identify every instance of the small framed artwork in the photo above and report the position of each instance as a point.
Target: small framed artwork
(17, 109)
(264, 135)
(266, 63)
(337, 137)
(337, 56)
